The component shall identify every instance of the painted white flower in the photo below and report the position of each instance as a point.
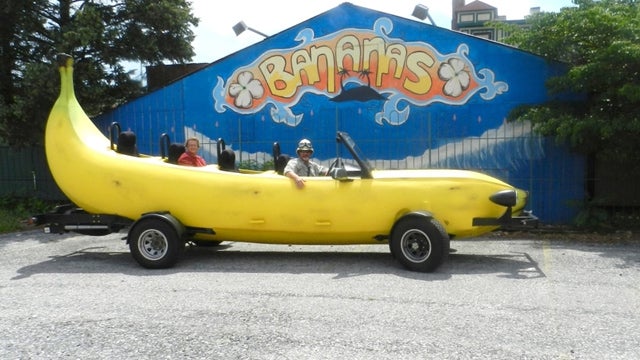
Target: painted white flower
(245, 90)
(456, 77)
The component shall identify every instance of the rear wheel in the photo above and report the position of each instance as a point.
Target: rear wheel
(419, 243)
(155, 244)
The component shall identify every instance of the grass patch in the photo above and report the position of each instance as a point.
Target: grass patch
(15, 211)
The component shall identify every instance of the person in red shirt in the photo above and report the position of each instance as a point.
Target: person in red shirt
(190, 157)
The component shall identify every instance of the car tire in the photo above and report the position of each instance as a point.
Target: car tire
(419, 243)
(155, 244)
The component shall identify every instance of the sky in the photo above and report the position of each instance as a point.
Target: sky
(215, 38)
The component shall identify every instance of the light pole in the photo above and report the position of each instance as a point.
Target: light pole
(240, 27)
(422, 12)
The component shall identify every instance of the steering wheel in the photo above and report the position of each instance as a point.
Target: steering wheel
(333, 165)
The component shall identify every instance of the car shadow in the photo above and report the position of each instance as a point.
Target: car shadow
(514, 265)
(33, 234)
(224, 259)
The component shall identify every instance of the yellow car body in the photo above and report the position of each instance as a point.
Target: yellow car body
(214, 205)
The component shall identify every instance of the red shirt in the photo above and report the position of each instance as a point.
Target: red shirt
(191, 160)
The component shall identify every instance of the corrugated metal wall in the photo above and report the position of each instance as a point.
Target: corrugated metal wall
(334, 72)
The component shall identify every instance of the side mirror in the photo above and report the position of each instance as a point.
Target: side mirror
(340, 174)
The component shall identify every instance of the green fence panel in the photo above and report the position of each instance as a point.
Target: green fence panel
(24, 172)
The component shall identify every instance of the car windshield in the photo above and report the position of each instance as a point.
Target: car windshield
(351, 145)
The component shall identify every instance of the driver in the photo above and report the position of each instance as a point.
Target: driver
(302, 165)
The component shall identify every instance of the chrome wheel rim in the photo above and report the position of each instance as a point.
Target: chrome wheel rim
(152, 244)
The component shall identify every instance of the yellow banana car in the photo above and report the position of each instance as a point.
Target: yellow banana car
(164, 206)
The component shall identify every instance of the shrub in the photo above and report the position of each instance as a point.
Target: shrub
(15, 211)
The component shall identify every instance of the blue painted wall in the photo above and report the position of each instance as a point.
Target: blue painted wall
(412, 95)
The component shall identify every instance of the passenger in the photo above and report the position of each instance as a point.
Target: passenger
(302, 165)
(190, 157)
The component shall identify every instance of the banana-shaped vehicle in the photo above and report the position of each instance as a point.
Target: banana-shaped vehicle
(163, 206)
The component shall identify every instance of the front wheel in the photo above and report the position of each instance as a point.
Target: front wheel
(419, 243)
(155, 244)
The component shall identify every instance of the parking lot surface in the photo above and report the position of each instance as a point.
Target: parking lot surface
(82, 297)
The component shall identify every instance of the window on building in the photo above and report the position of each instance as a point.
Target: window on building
(484, 16)
(483, 34)
(466, 18)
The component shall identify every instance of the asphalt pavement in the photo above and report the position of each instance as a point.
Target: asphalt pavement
(83, 297)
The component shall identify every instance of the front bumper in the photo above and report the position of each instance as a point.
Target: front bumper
(509, 198)
(525, 219)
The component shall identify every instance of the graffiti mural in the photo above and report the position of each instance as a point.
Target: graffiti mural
(355, 65)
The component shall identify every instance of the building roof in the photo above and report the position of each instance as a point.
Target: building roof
(477, 5)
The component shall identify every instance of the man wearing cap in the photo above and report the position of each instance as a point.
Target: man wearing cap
(302, 165)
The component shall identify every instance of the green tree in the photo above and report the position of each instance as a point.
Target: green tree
(600, 43)
(100, 35)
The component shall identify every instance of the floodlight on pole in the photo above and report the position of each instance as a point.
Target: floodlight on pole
(422, 12)
(240, 27)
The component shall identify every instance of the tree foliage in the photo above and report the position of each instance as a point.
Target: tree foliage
(600, 43)
(100, 35)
